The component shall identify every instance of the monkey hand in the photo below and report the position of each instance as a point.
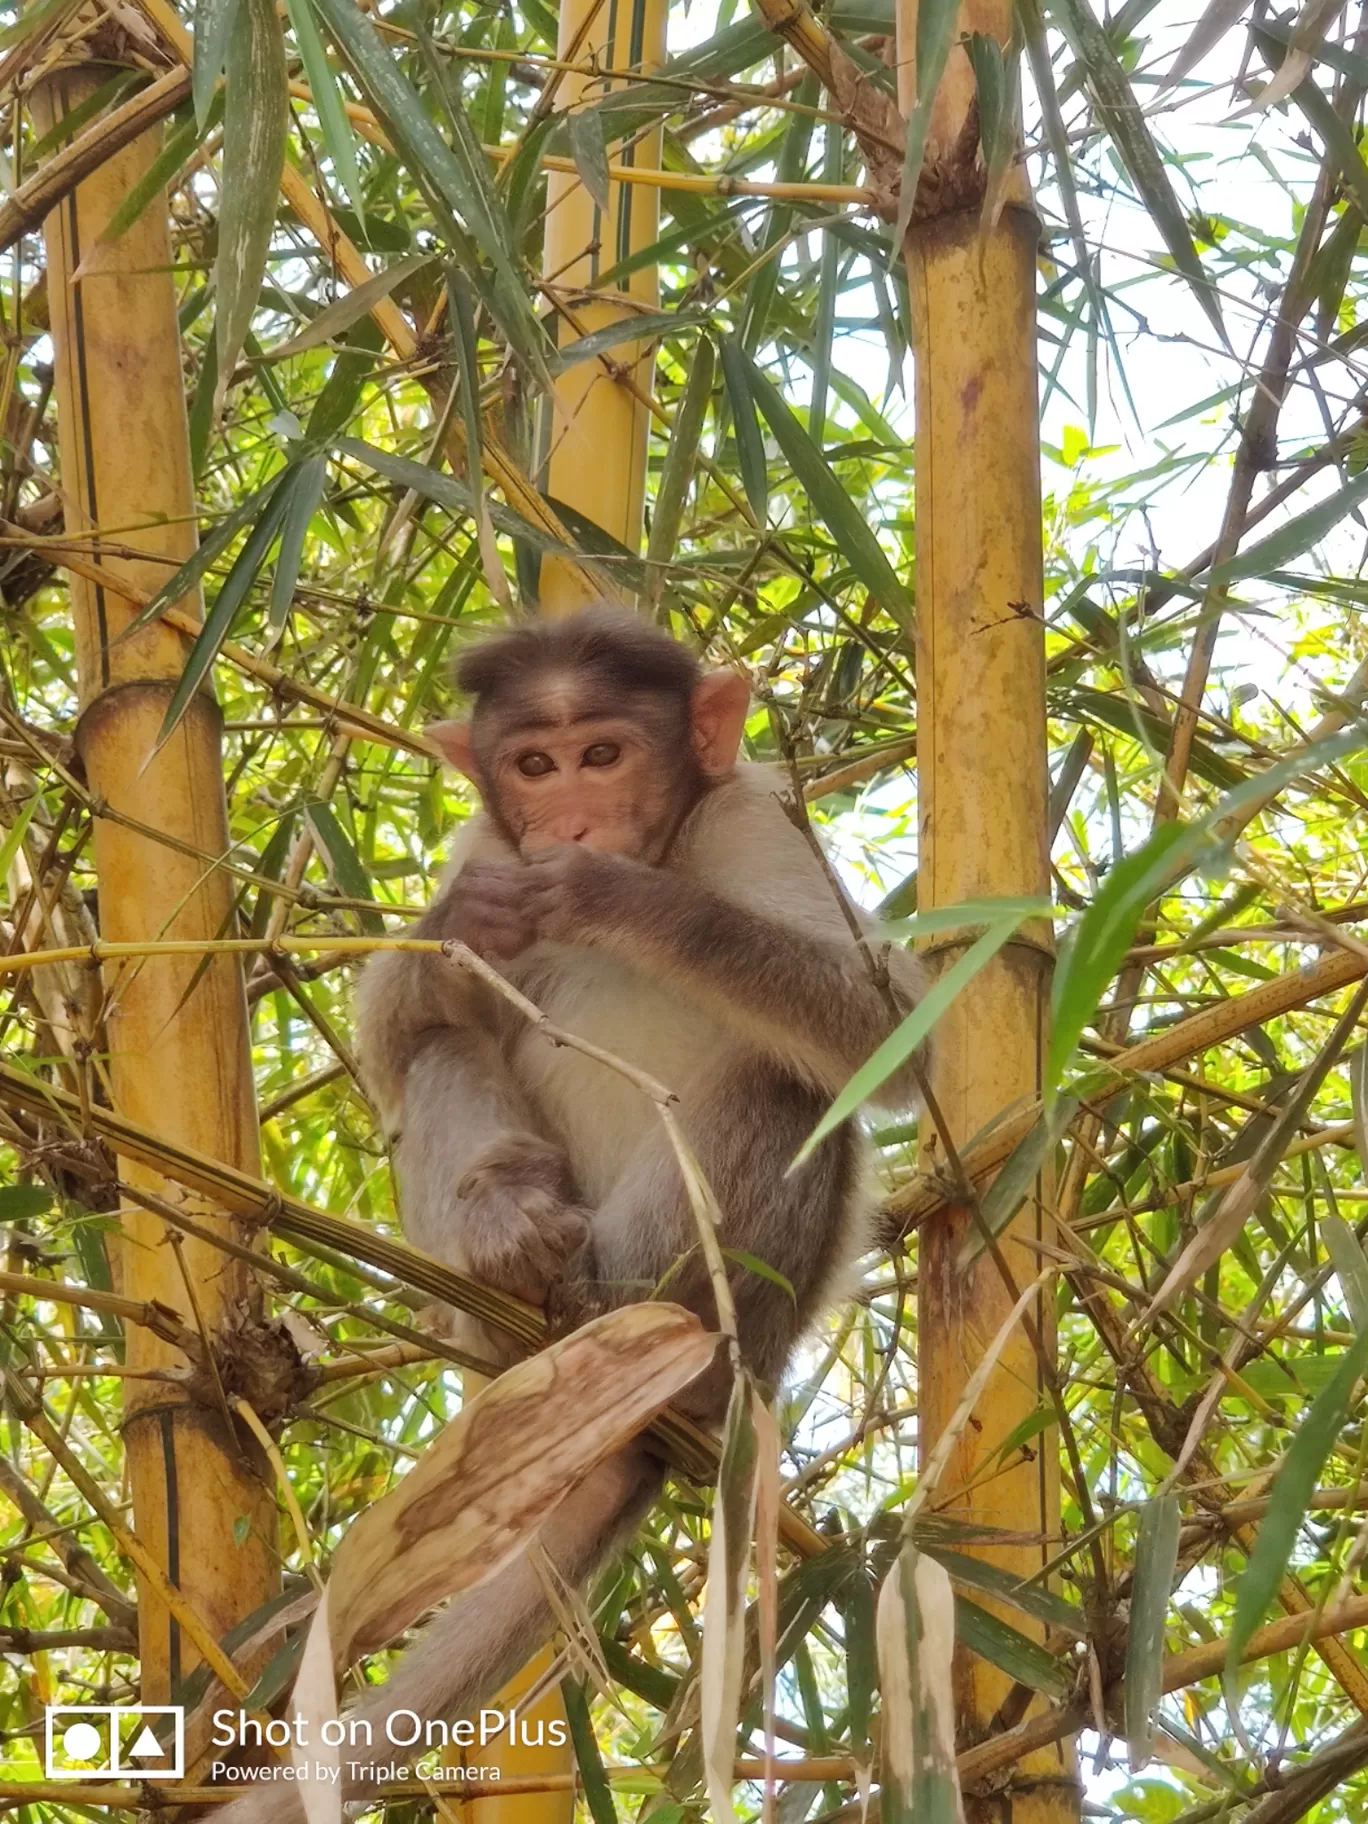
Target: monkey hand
(577, 1295)
(573, 894)
(518, 1224)
(485, 909)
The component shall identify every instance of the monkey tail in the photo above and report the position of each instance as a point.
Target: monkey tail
(475, 1645)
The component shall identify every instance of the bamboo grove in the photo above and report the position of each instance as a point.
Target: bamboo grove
(375, 257)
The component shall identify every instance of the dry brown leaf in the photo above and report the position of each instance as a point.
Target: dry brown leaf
(480, 1492)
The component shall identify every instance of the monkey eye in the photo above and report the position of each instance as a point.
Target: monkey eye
(535, 766)
(602, 753)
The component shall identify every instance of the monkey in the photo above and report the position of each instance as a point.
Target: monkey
(649, 891)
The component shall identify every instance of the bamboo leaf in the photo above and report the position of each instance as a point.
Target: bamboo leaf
(1120, 114)
(1092, 954)
(1014, 1181)
(457, 183)
(14, 836)
(1011, 1651)
(339, 138)
(216, 22)
(1349, 1261)
(255, 117)
(304, 491)
(643, 326)
(194, 569)
(935, 34)
(1217, 18)
(1156, 1558)
(724, 1615)
(598, 1794)
(898, 1047)
(1031, 1599)
(219, 620)
(339, 316)
(677, 473)
(590, 153)
(846, 524)
(750, 446)
(856, 1598)
(344, 864)
(916, 1661)
(1290, 1498)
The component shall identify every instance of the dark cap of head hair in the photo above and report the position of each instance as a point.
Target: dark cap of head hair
(616, 647)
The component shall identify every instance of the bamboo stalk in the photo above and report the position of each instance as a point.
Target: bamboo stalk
(205, 1515)
(983, 809)
(593, 444)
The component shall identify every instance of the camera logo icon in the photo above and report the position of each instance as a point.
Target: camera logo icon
(102, 1741)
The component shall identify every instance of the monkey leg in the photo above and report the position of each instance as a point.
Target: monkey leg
(476, 1643)
(810, 1226)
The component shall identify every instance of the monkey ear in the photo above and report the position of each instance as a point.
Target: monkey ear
(453, 741)
(721, 703)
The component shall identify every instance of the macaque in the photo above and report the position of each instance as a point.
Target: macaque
(652, 895)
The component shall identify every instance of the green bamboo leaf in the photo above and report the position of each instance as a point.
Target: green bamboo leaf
(468, 364)
(1031, 1599)
(193, 570)
(750, 446)
(9, 848)
(598, 1795)
(843, 519)
(341, 392)
(24, 1202)
(828, 279)
(1290, 1498)
(677, 472)
(216, 23)
(762, 1270)
(935, 34)
(178, 147)
(1011, 1651)
(645, 326)
(590, 153)
(855, 1598)
(1092, 954)
(1297, 536)
(1349, 1260)
(1333, 132)
(219, 620)
(344, 864)
(1120, 114)
(255, 120)
(456, 181)
(67, 126)
(304, 491)
(898, 1047)
(1013, 1183)
(339, 137)
(337, 317)
(1156, 1558)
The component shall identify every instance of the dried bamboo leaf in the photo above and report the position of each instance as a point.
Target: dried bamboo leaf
(916, 1631)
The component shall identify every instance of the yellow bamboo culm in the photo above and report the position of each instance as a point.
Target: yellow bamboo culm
(983, 825)
(180, 1060)
(594, 444)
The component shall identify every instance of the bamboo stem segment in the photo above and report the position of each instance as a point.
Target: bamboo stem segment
(981, 746)
(594, 442)
(180, 1058)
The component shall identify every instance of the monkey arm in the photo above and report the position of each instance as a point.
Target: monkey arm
(481, 1187)
(810, 1000)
